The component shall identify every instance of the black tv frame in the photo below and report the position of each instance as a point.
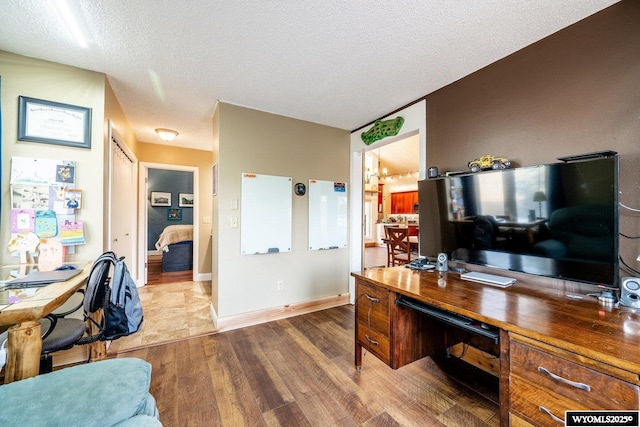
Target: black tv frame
(433, 239)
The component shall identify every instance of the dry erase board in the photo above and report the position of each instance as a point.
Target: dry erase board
(265, 216)
(327, 215)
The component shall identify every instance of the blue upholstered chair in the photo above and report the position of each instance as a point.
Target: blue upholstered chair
(108, 393)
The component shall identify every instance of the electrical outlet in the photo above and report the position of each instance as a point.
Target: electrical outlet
(234, 222)
(280, 285)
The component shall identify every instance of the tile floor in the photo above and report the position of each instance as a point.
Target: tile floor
(172, 312)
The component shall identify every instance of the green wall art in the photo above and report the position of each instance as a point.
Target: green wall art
(382, 129)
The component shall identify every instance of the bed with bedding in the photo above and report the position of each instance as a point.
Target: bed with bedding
(176, 244)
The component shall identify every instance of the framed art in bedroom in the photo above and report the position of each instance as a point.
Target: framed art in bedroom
(159, 198)
(185, 200)
(174, 214)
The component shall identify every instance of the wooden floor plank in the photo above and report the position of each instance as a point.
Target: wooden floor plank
(268, 388)
(287, 415)
(299, 371)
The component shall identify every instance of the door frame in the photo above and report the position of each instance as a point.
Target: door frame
(143, 198)
(415, 120)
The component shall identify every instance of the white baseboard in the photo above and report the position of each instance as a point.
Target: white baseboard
(242, 320)
(202, 277)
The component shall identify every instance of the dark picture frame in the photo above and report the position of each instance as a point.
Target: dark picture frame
(174, 214)
(160, 198)
(49, 122)
(185, 200)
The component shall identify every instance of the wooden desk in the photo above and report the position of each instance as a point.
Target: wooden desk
(25, 337)
(581, 340)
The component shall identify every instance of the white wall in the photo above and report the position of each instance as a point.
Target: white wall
(258, 142)
(55, 82)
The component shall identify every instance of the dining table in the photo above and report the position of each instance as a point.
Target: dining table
(21, 308)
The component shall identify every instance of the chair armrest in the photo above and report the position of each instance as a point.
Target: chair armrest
(53, 320)
(75, 308)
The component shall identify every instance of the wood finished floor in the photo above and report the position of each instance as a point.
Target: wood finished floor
(299, 372)
(155, 275)
(292, 372)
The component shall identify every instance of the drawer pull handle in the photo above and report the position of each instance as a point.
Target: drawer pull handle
(372, 299)
(581, 386)
(374, 342)
(553, 417)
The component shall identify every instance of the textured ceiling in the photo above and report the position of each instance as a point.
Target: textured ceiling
(337, 63)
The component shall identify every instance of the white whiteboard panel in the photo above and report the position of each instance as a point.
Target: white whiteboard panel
(265, 217)
(327, 215)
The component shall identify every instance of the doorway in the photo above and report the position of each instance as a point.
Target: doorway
(389, 170)
(144, 201)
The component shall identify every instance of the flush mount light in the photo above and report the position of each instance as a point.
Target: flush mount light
(166, 134)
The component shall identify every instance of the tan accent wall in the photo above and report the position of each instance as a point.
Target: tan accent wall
(573, 92)
(258, 142)
(59, 83)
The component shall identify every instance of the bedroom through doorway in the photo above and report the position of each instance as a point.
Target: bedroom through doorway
(170, 223)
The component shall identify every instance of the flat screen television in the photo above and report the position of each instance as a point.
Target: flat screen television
(557, 220)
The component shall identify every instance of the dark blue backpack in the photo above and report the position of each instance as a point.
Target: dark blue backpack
(116, 294)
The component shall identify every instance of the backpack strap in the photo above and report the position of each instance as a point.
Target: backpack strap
(120, 271)
(98, 281)
(98, 293)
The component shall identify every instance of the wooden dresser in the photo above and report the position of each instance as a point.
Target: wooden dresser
(556, 352)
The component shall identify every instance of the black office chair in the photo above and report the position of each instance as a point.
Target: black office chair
(60, 333)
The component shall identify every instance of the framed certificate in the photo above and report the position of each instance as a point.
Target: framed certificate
(50, 122)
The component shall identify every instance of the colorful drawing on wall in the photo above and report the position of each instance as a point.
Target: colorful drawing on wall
(159, 198)
(73, 198)
(50, 254)
(46, 224)
(382, 129)
(42, 171)
(23, 243)
(72, 233)
(65, 174)
(185, 200)
(29, 196)
(22, 220)
(174, 214)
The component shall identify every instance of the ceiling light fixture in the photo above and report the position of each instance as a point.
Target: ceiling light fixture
(166, 134)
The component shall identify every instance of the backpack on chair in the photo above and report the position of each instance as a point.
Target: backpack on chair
(116, 295)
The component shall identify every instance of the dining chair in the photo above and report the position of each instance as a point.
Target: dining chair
(398, 246)
(414, 238)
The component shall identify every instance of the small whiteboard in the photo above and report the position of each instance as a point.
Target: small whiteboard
(265, 218)
(327, 215)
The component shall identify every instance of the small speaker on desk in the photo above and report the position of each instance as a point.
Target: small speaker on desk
(630, 292)
(441, 262)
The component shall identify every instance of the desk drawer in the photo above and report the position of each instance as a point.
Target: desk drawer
(585, 387)
(539, 406)
(373, 309)
(375, 342)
